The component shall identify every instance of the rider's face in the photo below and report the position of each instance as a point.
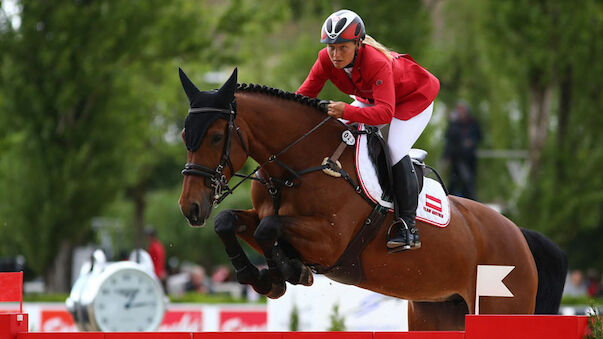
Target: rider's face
(341, 54)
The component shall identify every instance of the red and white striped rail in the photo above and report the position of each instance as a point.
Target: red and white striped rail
(15, 325)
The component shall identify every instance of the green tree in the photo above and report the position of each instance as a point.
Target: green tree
(548, 48)
(84, 111)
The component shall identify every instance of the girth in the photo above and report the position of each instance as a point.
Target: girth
(348, 268)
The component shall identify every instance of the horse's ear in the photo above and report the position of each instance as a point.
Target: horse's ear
(229, 87)
(189, 88)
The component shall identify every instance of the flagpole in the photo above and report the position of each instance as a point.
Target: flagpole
(476, 301)
(21, 292)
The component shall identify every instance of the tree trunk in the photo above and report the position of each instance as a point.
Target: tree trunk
(565, 100)
(139, 207)
(538, 123)
(435, 9)
(58, 277)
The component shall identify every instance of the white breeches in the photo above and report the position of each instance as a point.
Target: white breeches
(403, 133)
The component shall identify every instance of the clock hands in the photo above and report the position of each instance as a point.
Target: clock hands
(130, 294)
(141, 304)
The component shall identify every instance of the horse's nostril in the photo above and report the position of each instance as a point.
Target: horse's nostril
(194, 211)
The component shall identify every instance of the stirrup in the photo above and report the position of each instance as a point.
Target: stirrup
(415, 244)
(394, 247)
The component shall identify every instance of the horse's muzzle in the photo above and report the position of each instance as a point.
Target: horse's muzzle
(196, 213)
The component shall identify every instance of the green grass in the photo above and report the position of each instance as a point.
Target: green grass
(46, 297)
(226, 299)
(186, 298)
(193, 297)
(582, 300)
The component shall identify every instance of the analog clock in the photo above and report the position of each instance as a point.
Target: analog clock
(117, 297)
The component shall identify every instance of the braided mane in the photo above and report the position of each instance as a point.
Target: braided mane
(312, 102)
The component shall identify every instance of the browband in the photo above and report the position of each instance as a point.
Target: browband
(210, 109)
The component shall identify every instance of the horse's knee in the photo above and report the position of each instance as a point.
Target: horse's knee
(268, 230)
(225, 222)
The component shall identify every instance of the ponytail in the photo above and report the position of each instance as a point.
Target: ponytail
(368, 40)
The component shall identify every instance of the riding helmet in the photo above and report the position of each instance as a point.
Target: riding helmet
(342, 26)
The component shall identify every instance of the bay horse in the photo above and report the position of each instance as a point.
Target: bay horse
(303, 219)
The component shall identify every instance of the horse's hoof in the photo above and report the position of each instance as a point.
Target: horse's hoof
(247, 275)
(306, 277)
(263, 284)
(277, 290)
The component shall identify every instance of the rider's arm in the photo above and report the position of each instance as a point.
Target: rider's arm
(315, 80)
(384, 95)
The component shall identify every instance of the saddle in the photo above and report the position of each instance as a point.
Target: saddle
(373, 168)
(379, 156)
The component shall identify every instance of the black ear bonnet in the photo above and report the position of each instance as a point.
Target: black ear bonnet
(197, 123)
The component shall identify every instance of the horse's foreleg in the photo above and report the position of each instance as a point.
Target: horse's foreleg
(227, 224)
(281, 267)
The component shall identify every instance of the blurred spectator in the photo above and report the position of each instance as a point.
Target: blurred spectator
(198, 280)
(575, 285)
(221, 274)
(157, 253)
(12, 264)
(592, 282)
(173, 265)
(600, 292)
(462, 137)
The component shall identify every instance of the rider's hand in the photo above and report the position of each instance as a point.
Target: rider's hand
(336, 109)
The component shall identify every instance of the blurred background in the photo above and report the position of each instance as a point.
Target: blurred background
(91, 111)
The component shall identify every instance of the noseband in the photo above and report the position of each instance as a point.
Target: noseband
(215, 178)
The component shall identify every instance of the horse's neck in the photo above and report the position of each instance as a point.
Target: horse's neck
(273, 123)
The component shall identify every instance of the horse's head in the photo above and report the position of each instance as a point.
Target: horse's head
(207, 134)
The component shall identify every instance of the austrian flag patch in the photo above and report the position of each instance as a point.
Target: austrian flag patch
(433, 203)
(434, 207)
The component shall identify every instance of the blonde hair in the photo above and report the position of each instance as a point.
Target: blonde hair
(368, 40)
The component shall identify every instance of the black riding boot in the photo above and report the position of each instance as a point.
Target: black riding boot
(403, 234)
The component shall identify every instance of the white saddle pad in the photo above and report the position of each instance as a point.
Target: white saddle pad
(433, 207)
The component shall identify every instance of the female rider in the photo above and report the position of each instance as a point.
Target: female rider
(389, 88)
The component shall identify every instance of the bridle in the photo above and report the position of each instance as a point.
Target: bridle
(215, 178)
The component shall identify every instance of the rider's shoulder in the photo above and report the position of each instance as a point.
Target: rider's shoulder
(373, 58)
(323, 56)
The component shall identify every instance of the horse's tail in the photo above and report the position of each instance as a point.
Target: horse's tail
(551, 264)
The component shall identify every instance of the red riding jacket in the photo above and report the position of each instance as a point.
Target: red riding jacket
(400, 88)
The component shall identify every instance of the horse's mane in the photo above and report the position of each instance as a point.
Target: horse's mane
(279, 93)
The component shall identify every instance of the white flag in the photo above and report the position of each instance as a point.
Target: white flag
(490, 282)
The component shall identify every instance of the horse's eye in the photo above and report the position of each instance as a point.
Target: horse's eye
(216, 139)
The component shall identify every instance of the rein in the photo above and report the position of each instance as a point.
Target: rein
(216, 179)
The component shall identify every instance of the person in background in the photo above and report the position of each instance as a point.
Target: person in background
(575, 285)
(157, 253)
(462, 137)
(592, 282)
(198, 280)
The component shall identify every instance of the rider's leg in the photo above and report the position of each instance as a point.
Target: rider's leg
(406, 192)
(402, 135)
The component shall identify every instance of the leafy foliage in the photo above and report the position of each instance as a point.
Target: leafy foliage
(337, 320)
(595, 323)
(93, 111)
(294, 319)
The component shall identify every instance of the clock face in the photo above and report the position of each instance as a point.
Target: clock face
(128, 300)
